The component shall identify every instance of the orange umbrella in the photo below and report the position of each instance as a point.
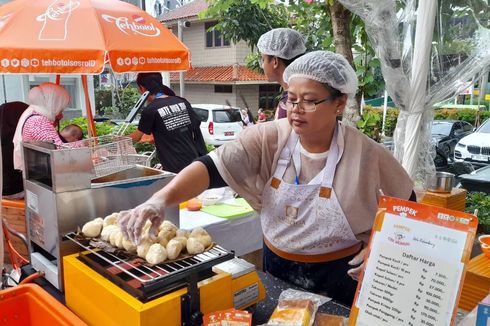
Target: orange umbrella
(77, 36)
(81, 36)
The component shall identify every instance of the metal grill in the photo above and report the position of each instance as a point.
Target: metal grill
(474, 149)
(485, 150)
(147, 282)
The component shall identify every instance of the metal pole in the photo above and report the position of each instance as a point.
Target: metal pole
(385, 109)
(4, 89)
(181, 74)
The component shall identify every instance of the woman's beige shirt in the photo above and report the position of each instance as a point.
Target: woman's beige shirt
(248, 163)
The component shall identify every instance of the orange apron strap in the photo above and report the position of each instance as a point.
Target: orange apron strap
(321, 258)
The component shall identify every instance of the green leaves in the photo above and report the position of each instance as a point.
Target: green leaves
(246, 20)
(480, 201)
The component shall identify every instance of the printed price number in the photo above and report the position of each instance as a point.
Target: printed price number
(426, 315)
(436, 289)
(439, 275)
(432, 295)
(430, 309)
(438, 282)
(426, 322)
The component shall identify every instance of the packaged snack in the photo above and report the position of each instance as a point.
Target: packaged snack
(292, 312)
(329, 320)
(296, 308)
(230, 317)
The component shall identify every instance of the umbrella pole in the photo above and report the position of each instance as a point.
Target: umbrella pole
(90, 117)
(58, 79)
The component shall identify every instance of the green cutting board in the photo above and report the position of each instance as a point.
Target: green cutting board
(242, 208)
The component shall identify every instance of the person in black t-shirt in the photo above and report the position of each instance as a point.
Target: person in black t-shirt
(13, 187)
(173, 123)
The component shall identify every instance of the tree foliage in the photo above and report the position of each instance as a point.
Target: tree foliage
(246, 20)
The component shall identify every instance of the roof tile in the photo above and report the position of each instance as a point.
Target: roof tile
(191, 9)
(219, 74)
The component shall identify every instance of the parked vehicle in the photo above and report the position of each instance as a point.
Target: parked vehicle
(219, 123)
(447, 133)
(478, 180)
(475, 148)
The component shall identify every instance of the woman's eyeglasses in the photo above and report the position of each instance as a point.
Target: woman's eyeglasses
(306, 105)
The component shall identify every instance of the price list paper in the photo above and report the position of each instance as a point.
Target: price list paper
(415, 265)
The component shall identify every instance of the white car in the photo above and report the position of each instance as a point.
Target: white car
(219, 123)
(475, 148)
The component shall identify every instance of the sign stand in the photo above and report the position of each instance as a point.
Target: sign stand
(414, 265)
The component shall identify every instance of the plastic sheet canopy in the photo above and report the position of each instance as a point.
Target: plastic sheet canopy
(429, 51)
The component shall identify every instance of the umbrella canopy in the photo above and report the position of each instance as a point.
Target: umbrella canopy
(80, 36)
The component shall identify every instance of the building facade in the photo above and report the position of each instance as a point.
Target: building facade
(219, 74)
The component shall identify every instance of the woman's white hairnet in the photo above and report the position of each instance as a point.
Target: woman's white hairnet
(325, 67)
(285, 43)
(49, 99)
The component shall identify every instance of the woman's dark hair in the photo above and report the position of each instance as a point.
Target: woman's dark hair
(285, 61)
(335, 93)
(152, 82)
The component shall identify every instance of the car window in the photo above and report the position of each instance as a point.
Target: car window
(226, 116)
(485, 128)
(202, 114)
(441, 129)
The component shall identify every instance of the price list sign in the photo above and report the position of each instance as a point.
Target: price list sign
(414, 265)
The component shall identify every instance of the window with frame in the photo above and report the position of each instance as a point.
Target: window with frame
(269, 96)
(214, 38)
(223, 88)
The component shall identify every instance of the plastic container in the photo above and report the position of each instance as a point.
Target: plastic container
(485, 244)
(29, 304)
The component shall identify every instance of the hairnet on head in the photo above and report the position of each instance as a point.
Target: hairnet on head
(49, 99)
(285, 43)
(325, 67)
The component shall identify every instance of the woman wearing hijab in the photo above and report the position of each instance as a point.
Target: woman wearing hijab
(46, 104)
(314, 181)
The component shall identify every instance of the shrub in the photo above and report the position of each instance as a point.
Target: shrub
(480, 201)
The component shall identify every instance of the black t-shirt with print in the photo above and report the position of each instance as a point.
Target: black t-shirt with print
(175, 128)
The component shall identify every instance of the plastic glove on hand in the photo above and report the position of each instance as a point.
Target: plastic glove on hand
(132, 221)
(357, 261)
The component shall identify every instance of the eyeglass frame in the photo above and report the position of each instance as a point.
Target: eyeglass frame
(302, 108)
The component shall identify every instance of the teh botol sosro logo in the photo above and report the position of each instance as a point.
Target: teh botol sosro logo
(136, 24)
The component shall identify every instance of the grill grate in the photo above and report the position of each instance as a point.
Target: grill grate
(485, 150)
(474, 149)
(147, 282)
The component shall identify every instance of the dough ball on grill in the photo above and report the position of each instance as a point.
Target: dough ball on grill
(93, 228)
(128, 245)
(166, 234)
(156, 254)
(163, 241)
(205, 240)
(182, 233)
(194, 246)
(167, 225)
(111, 219)
(198, 232)
(182, 240)
(107, 231)
(174, 247)
(142, 249)
(117, 238)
